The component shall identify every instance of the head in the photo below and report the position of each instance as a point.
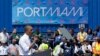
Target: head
(81, 29)
(57, 33)
(14, 31)
(14, 41)
(83, 43)
(4, 30)
(98, 40)
(35, 38)
(98, 28)
(28, 30)
(75, 41)
(44, 41)
(71, 40)
(61, 25)
(94, 33)
(89, 31)
(64, 39)
(86, 42)
(37, 31)
(71, 31)
(49, 32)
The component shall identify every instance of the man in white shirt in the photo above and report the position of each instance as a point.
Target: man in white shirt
(4, 35)
(86, 47)
(25, 43)
(3, 49)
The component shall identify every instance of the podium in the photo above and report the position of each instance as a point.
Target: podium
(43, 53)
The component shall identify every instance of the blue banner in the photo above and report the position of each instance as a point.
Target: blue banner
(49, 11)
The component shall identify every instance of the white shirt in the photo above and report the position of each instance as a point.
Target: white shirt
(76, 49)
(86, 47)
(13, 49)
(24, 44)
(3, 50)
(3, 37)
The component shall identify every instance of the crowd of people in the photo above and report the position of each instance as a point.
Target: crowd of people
(84, 43)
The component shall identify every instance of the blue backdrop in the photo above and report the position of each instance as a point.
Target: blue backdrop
(49, 11)
(6, 17)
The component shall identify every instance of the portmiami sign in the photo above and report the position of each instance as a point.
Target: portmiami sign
(49, 11)
(35, 11)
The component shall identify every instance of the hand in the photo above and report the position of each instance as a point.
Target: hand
(31, 45)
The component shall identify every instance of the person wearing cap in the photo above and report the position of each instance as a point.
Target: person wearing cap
(81, 36)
